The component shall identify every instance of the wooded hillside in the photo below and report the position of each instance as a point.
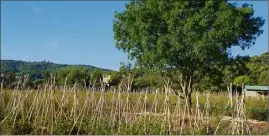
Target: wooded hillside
(248, 70)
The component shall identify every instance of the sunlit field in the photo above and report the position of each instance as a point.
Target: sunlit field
(119, 111)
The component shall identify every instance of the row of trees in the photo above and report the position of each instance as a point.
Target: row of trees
(242, 70)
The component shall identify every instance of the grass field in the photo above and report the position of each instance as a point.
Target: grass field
(93, 111)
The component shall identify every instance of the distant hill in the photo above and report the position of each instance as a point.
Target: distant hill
(19, 67)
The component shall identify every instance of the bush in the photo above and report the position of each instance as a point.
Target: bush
(64, 127)
(6, 128)
(258, 113)
(23, 128)
(38, 81)
(20, 127)
(140, 83)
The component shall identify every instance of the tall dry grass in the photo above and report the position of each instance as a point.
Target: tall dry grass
(117, 111)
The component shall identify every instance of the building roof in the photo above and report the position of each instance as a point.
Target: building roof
(257, 88)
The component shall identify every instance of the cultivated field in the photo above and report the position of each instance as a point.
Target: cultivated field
(118, 111)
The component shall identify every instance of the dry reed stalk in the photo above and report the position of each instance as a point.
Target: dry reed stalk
(238, 120)
(16, 103)
(83, 110)
(198, 118)
(44, 104)
(2, 84)
(46, 112)
(60, 111)
(19, 104)
(189, 114)
(2, 97)
(185, 116)
(74, 105)
(81, 114)
(85, 86)
(92, 99)
(12, 100)
(229, 103)
(239, 123)
(53, 101)
(118, 110)
(66, 101)
(61, 105)
(155, 102)
(126, 108)
(230, 90)
(98, 110)
(138, 106)
(206, 111)
(32, 107)
(37, 107)
(112, 103)
(167, 105)
(144, 107)
(112, 110)
(154, 107)
(233, 126)
(100, 105)
(176, 115)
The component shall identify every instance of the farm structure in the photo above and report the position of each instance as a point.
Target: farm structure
(256, 90)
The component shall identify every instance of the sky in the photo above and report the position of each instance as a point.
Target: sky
(70, 32)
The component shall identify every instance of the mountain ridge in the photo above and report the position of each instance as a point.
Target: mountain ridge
(16, 66)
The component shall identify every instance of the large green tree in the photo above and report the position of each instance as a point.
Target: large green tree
(184, 37)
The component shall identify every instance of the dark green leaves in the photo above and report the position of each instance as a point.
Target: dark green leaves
(185, 36)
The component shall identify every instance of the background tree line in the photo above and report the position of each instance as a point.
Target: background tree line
(241, 70)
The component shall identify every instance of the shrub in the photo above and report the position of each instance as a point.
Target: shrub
(20, 127)
(23, 128)
(64, 127)
(258, 113)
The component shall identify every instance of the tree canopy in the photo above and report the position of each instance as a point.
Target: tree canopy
(185, 38)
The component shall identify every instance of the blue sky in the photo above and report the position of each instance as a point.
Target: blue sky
(70, 32)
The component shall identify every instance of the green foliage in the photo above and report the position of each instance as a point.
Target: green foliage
(235, 67)
(258, 113)
(247, 70)
(41, 71)
(64, 127)
(263, 78)
(258, 66)
(141, 83)
(125, 68)
(20, 127)
(183, 38)
(77, 76)
(38, 81)
(115, 78)
(242, 80)
(96, 75)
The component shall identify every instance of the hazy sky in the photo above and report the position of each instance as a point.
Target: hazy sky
(70, 32)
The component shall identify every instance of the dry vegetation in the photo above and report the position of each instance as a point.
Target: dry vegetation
(119, 111)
